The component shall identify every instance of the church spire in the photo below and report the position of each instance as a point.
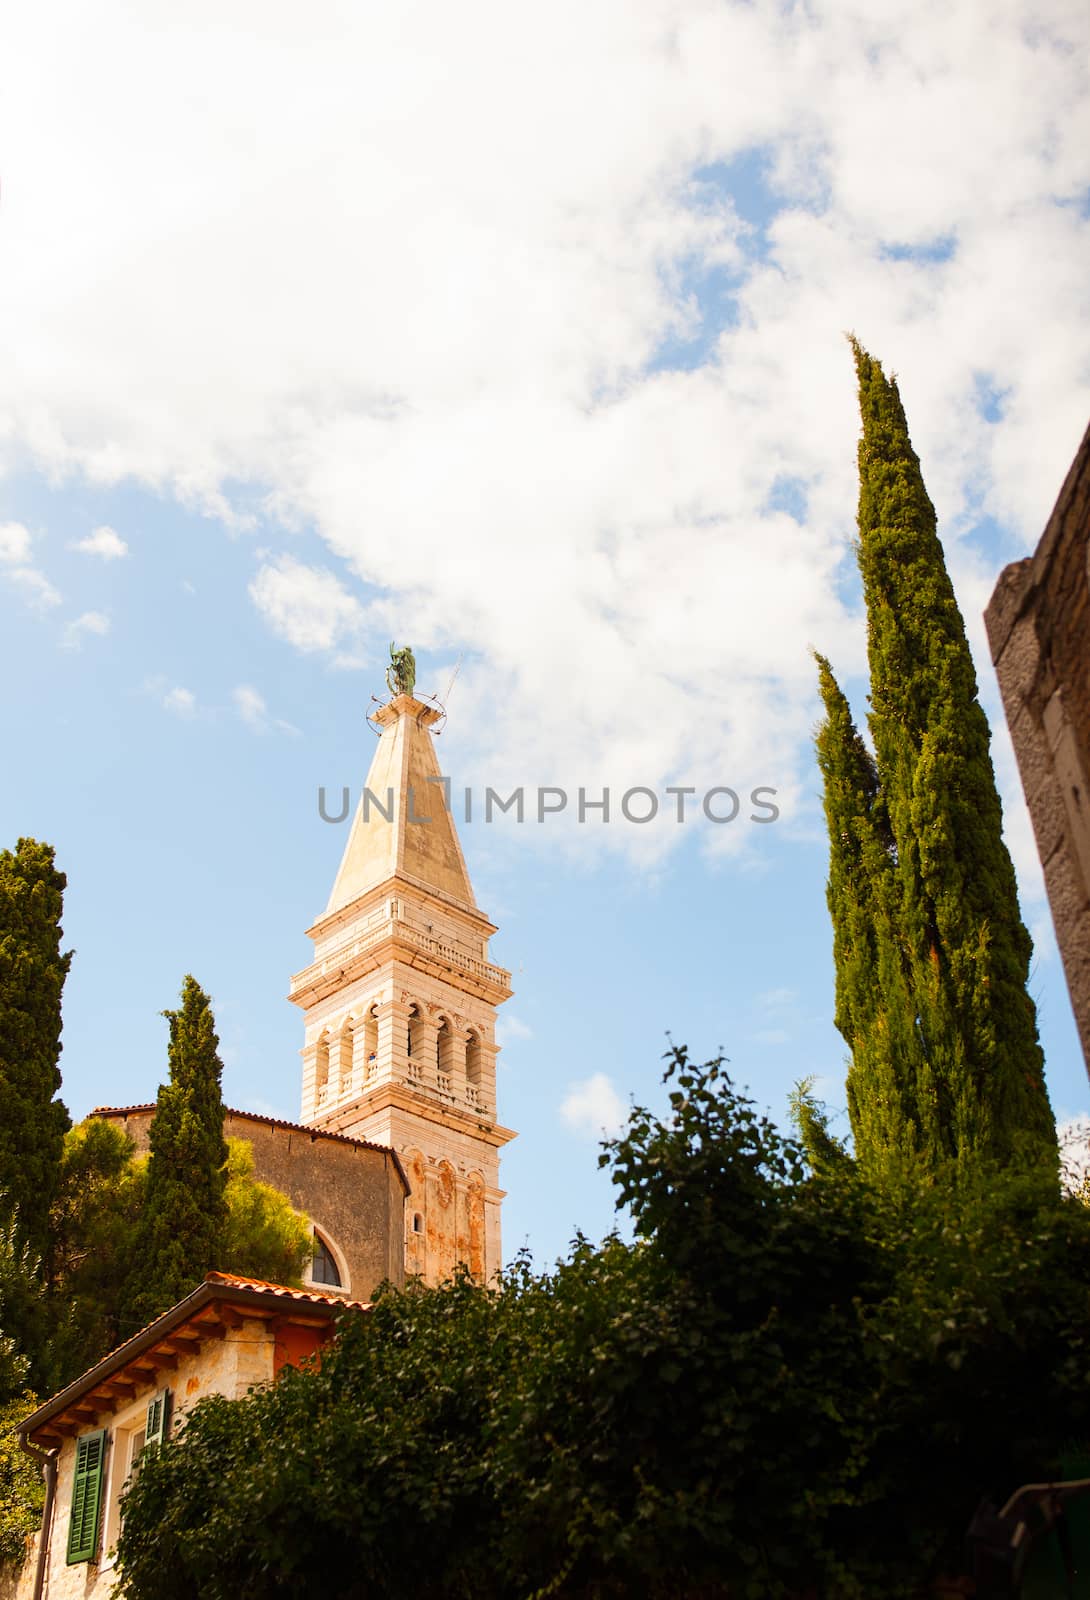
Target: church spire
(400, 1000)
(403, 827)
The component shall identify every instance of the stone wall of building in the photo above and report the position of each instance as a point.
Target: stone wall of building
(245, 1357)
(1038, 623)
(353, 1192)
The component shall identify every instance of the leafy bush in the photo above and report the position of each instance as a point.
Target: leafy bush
(792, 1383)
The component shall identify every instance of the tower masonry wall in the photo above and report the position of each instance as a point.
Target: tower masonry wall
(1038, 623)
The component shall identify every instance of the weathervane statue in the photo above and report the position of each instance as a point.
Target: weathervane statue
(401, 673)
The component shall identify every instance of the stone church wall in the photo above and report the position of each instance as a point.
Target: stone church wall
(353, 1192)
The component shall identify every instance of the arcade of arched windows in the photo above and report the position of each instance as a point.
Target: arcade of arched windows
(443, 1052)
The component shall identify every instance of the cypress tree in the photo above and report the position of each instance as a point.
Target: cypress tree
(32, 973)
(182, 1227)
(932, 956)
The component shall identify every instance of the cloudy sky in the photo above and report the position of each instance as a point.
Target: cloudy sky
(518, 336)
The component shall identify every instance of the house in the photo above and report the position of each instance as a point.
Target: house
(227, 1337)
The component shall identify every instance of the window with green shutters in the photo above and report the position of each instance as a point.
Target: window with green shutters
(86, 1496)
(158, 1423)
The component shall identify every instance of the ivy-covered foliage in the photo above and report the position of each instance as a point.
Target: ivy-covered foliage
(32, 974)
(932, 957)
(793, 1383)
(184, 1213)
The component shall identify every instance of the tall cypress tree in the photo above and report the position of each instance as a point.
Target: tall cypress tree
(182, 1227)
(32, 973)
(932, 955)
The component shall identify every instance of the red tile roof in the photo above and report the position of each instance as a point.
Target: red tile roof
(232, 1280)
(220, 1287)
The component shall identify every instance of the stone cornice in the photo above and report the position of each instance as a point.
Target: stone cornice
(398, 941)
(421, 1104)
(399, 882)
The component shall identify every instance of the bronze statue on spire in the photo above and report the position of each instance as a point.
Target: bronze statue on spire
(401, 673)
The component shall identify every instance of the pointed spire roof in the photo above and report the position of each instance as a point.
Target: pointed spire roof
(425, 852)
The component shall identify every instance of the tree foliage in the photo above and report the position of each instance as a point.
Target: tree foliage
(184, 1213)
(264, 1236)
(793, 1382)
(32, 974)
(932, 957)
(97, 1222)
(22, 1491)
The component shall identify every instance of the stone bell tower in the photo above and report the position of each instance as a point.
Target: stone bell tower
(400, 1004)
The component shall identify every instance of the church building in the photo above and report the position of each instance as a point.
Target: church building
(395, 1157)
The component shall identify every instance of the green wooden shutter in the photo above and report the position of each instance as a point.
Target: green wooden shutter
(86, 1496)
(158, 1425)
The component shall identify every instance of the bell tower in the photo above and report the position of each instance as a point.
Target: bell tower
(399, 1003)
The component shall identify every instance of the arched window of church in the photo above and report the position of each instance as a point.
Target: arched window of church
(323, 1268)
(321, 1063)
(413, 1015)
(473, 1058)
(346, 1054)
(444, 1047)
(418, 1222)
(370, 1041)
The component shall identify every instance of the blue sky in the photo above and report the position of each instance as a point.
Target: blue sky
(360, 339)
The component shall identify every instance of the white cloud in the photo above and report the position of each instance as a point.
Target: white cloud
(182, 702)
(250, 705)
(510, 1029)
(15, 550)
(307, 606)
(592, 1108)
(89, 622)
(444, 364)
(103, 542)
(35, 586)
(14, 544)
(777, 999)
(772, 1036)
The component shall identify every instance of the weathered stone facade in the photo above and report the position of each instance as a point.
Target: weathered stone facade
(352, 1190)
(1038, 623)
(230, 1335)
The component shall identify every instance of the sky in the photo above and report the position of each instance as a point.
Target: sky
(518, 336)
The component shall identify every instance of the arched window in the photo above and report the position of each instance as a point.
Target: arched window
(418, 1222)
(413, 1015)
(321, 1066)
(323, 1268)
(473, 1059)
(370, 1041)
(444, 1047)
(346, 1055)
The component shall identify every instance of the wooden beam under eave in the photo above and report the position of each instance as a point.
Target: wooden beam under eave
(121, 1387)
(177, 1346)
(154, 1360)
